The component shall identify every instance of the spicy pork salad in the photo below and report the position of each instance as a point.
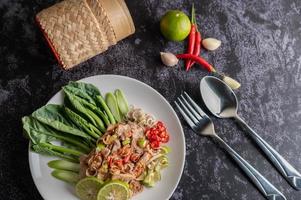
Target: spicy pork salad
(108, 150)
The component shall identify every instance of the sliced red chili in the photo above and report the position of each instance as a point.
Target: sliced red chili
(155, 144)
(162, 134)
(165, 139)
(110, 160)
(157, 134)
(154, 137)
(162, 129)
(126, 159)
(147, 133)
(159, 124)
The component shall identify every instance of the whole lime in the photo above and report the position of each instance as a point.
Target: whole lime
(175, 25)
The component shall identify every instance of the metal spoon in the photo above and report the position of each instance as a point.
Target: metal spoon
(221, 101)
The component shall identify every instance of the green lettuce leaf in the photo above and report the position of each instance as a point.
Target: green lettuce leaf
(52, 115)
(38, 132)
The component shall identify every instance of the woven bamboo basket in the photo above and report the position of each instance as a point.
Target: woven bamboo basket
(77, 30)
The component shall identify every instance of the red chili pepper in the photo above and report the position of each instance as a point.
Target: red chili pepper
(134, 157)
(162, 128)
(157, 134)
(110, 160)
(165, 139)
(155, 144)
(162, 134)
(118, 163)
(197, 59)
(159, 124)
(191, 41)
(197, 47)
(127, 158)
(192, 37)
(154, 137)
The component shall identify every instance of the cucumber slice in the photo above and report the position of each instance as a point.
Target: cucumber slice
(112, 104)
(122, 102)
(67, 176)
(64, 165)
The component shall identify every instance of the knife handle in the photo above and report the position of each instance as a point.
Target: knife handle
(264, 186)
(292, 176)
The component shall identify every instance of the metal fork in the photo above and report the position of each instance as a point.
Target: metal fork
(202, 124)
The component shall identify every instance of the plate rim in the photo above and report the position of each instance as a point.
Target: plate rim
(144, 84)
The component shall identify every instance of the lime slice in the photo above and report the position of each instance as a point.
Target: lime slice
(87, 188)
(175, 25)
(116, 190)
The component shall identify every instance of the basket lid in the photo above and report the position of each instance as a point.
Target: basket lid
(120, 18)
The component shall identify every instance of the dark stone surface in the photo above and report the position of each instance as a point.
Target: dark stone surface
(261, 47)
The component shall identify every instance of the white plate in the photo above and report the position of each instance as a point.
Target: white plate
(140, 95)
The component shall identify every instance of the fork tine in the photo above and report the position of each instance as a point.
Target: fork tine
(188, 113)
(200, 111)
(187, 119)
(199, 117)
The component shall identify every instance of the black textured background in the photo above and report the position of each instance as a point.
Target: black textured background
(261, 46)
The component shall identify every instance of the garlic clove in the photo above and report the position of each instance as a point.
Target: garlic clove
(234, 84)
(169, 59)
(211, 44)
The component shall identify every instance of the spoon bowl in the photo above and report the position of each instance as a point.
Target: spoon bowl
(218, 97)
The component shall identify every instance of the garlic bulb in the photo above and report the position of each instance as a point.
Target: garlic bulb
(169, 59)
(211, 44)
(231, 82)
